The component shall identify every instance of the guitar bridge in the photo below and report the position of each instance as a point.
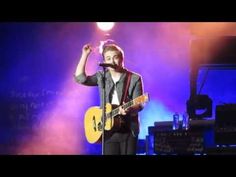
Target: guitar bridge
(99, 126)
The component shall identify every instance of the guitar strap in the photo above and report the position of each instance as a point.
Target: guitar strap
(123, 127)
(128, 78)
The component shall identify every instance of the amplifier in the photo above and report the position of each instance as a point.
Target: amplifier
(225, 115)
(225, 124)
(178, 142)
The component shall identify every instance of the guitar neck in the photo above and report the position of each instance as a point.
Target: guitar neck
(115, 112)
(126, 106)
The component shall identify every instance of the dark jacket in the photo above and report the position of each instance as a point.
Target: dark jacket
(135, 90)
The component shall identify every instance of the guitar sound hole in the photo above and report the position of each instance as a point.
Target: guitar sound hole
(94, 124)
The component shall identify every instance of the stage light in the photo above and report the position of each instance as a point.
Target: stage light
(105, 26)
(199, 103)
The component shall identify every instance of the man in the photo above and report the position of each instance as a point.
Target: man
(121, 86)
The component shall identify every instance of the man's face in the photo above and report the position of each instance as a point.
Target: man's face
(112, 57)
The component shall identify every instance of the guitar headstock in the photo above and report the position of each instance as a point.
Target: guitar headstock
(142, 99)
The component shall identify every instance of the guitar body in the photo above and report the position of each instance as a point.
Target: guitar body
(93, 123)
(113, 121)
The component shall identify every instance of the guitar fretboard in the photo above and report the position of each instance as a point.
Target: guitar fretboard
(115, 112)
(127, 105)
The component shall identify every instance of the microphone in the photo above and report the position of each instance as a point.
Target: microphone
(108, 65)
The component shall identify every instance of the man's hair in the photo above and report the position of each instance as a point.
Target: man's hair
(110, 45)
